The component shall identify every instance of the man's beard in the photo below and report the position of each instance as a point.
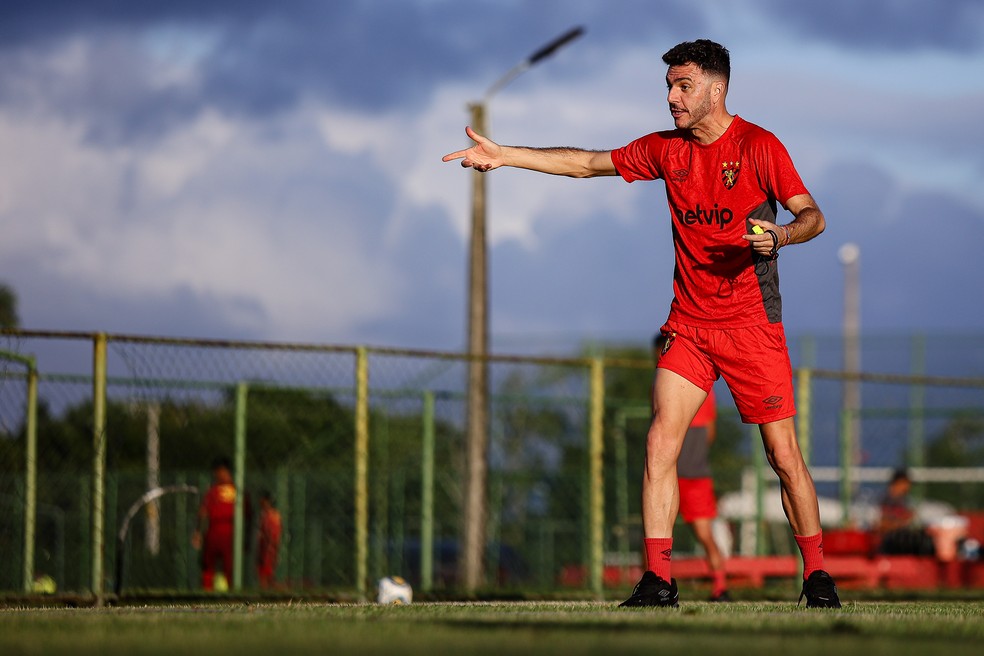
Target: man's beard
(698, 113)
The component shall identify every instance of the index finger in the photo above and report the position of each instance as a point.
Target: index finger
(455, 155)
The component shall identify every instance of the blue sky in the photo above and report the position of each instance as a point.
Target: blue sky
(247, 169)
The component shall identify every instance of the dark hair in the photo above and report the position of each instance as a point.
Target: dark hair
(900, 475)
(222, 462)
(659, 341)
(710, 57)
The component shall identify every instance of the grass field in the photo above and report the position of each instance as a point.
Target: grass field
(763, 628)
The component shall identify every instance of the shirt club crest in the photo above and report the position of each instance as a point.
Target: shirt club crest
(729, 173)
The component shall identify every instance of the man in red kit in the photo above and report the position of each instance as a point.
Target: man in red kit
(215, 520)
(267, 541)
(725, 178)
(698, 506)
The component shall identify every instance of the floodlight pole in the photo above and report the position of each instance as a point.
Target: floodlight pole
(473, 533)
(850, 256)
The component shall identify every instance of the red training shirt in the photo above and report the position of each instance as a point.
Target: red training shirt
(711, 189)
(220, 504)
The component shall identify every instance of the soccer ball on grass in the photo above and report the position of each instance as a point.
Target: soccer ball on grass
(394, 590)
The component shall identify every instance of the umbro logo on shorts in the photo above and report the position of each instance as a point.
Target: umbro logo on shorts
(773, 402)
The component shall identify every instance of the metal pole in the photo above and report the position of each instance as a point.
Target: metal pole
(285, 506)
(152, 529)
(917, 412)
(30, 464)
(596, 508)
(804, 394)
(238, 521)
(98, 462)
(361, 470)
(758, 458)
(30, 475)
(427, 496)
(846, 485)
(850, 256)
(621, 484)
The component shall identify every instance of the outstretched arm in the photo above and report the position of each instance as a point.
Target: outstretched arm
(486, 155)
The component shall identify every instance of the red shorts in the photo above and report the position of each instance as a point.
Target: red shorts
(753, 361)
(697, 499)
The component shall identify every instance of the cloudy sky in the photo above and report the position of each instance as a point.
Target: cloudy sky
(272, 170)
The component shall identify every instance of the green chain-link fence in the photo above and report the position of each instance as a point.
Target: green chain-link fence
(363, 452)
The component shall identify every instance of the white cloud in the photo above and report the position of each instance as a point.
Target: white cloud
(304, 212)
(191, 222)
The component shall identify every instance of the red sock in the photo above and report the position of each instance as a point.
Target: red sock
(811, 546)
(720, 580)
(658, 552)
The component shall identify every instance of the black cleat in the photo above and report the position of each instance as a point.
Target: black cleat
(651, 590)
(820, 591)
(722, 597)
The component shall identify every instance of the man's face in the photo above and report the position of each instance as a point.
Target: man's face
(901, 487)
(689, 95)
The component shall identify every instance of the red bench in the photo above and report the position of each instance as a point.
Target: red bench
(890, 572)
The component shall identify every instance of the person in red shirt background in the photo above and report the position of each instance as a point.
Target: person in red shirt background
(215, 521)
(267, 541)
(698, 505)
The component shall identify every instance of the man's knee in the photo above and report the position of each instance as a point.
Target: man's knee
(662, 449)
(779, 439)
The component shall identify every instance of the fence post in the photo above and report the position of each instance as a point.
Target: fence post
(238, 525)
(181, 554)
(98, 462)
(30, 464)
(804, 397)
(846, 460)
(596, 509)
(427, 496)
(284, 571)
(621, 485)
(361, 469)
(758, 458)
(917, 413)
(31, 474)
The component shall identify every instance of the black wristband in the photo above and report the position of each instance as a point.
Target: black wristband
(775, 244)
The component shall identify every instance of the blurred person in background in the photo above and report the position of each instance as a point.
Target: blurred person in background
(216, 523)
(268, 541)
(898, 529)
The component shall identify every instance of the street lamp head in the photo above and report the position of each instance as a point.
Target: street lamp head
(537, 56)
(849, 253)
(555, 45)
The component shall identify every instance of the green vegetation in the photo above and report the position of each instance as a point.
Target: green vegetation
(959, 444)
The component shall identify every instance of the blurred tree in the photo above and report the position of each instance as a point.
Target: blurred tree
(959, 444)
(8, 307)
(532, 430)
